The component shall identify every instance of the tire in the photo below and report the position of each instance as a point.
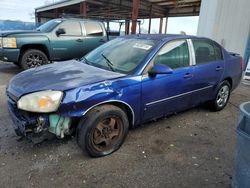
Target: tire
(102, 131)
(222, 96)
(33, 58)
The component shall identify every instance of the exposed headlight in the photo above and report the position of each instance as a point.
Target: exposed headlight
(9, 42)
(1, 42)
(43, 101)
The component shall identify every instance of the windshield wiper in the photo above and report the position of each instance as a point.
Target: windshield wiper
(85, 60)
(109, 63)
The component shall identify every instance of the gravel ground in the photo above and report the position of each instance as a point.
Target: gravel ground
(194, 148)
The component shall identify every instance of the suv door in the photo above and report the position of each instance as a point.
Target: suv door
(95, 35)
(167, 93)
(208, 69)
(70, 44)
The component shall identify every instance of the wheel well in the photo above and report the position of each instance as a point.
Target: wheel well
(34, 46)
(125, 107)
(230, 81)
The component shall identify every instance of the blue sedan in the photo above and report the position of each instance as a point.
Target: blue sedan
(121, 84)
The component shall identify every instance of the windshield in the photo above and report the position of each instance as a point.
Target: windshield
(120, 55)
(49, 26)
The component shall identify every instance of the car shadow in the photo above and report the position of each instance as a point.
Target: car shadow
(9, 68)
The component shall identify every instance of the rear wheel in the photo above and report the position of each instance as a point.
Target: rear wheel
(33, 58)
(103, 130)
(222, 96)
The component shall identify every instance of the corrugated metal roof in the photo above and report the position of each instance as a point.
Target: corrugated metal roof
(122, 9)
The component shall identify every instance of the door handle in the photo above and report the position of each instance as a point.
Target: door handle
(188, 75)
(79, 40)
(102, 40)
(218, 68)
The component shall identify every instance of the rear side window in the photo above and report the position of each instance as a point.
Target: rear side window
(206, 51)
(174, 54)
(93, 29)
(71, 28)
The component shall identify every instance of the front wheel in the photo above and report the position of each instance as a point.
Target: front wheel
(222, 96)
(103, 130)
(33, 58)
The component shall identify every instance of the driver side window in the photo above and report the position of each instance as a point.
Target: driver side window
(174, 54)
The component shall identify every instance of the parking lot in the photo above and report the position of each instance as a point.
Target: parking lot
(194, 148)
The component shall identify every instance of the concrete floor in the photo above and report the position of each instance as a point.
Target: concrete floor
(192, 149)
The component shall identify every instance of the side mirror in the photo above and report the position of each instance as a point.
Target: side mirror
(160, 69)
(60, 31)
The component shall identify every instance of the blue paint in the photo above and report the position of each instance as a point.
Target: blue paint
(147, 96)
(247, 53)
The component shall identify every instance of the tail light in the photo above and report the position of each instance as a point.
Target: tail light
(242, 64)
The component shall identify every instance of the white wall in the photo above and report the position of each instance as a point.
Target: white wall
(227, 22)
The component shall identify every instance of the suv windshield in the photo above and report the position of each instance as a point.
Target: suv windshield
(49, 26)
(120, 55)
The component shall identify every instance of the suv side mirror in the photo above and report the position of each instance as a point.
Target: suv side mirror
(60, 31)
(160, 69)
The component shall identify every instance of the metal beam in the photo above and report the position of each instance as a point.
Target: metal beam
(134, 16)
(83, 9)
(150, 16)
(127, 23)
(166, 25)
(160, 27)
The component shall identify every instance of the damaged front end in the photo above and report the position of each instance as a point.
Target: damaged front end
(38, 126)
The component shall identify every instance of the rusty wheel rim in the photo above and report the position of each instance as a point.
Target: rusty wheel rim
(107, 133)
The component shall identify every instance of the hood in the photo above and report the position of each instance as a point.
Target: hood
(58, 76)
(7, 33)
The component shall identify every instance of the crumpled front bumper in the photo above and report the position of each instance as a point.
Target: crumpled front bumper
(39, 124)
(21, 122)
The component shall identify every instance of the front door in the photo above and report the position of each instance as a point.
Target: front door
(167, 93)
(68, 45)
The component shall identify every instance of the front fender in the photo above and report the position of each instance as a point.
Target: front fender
(77, 102)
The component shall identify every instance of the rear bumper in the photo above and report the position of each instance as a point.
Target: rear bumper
(11, 55)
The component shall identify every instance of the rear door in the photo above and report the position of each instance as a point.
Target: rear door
(167, 93)
(95, 35)
(208, 69)
(70, 44)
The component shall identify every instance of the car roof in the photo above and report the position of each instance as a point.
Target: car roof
(160, 37)
(76, 19)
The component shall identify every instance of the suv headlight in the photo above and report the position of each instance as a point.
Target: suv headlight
(9, 42)
(43, 101)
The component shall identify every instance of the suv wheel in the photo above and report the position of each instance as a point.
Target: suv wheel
(103, 130)
(33, 58)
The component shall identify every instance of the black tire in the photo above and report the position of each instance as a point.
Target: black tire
(93, 135)
(33, 58)
(222, 96)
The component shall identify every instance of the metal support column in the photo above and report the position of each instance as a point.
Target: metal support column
(134, 16)
(38, 18)
(166, 25)
(127, 24)
(150, 17)
(83, 9)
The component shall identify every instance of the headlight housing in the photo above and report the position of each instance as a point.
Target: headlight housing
(9, 42)
(43, 101)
